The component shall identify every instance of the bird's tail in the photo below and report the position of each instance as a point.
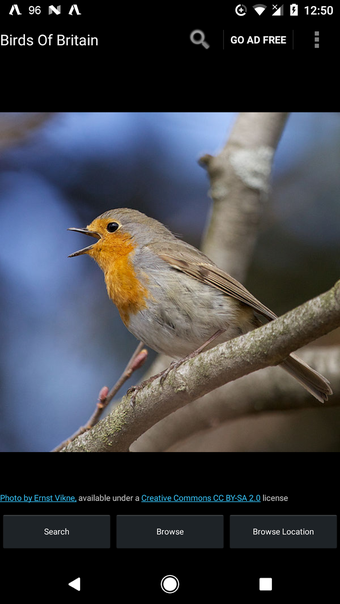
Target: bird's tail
(310, 379)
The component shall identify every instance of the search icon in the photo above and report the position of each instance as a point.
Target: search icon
(199, 39)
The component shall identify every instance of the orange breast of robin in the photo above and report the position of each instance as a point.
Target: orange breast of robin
(114, 256)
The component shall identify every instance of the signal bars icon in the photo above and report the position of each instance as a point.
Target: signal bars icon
(259, 8)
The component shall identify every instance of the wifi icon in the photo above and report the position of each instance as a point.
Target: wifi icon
(259, 8)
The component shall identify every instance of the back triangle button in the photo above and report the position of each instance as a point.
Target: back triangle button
(75, 584)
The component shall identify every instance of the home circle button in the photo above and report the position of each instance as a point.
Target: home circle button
(169, 584)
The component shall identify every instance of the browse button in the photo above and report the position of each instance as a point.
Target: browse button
(283, 532)
(169, 532)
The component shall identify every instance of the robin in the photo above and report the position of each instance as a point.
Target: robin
(174, 298)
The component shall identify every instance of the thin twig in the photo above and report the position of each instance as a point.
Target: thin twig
(105, 397)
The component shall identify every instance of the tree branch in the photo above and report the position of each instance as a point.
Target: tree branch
(239, 185)
(265, 346)
(258, 392)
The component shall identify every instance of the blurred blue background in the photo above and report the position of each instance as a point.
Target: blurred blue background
(61, 337)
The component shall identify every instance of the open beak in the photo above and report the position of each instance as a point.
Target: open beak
(85, 232)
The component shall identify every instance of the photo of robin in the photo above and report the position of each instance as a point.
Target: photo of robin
(173, 297)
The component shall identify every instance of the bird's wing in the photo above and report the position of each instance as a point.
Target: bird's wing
(212, 275)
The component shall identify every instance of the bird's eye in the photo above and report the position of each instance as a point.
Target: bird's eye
(112, 227)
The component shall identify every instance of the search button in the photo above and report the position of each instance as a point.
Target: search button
(197, 36)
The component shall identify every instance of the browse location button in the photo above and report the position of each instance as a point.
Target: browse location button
(283, 532)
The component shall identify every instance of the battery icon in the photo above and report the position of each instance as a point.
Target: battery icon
(293, 10)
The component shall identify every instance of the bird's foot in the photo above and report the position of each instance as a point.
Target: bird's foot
(173, 365)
